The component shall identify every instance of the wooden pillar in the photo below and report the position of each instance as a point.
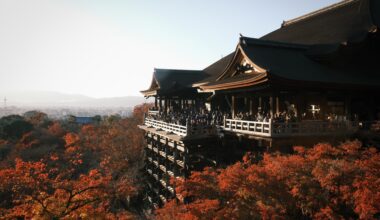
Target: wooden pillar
(155, 102)
(300, 106)
(271, 106)
(277, 105)
(261, 103)
(160, 103)
(250, 106)
(323, 107)
(233, 105)
(166, 105)
(347, 107)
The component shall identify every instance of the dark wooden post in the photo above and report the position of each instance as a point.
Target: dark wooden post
(271, 105)
(260, 102)
(250, 106)
(233, 110)
(277, 105)
(166, 105)
(245, 103)
(347, 107)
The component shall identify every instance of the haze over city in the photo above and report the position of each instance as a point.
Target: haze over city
(109, 48)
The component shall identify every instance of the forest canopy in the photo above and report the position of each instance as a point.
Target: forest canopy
(63, 170)
(53, 169)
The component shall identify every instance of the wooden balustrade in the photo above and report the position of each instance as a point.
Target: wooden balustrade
(163, 199)
(169, 127)
(162, 153)
(171, 158)
(181, 163)
(171, 189)
(153, 112)
(170, 173)
(163, 183)
(155, 163)
(289, 129)
(180, 130)
(163, 168)
(248, 127)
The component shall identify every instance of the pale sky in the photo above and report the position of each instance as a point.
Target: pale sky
(109, 48)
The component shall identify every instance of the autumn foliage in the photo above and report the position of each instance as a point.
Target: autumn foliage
(61, 170)
(323, 182)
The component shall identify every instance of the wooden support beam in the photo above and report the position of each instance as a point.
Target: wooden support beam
(166, 105)
(260, 103)
(277, 105)
(250, 106)
(347, 107)
(271, 106)
(233, 103)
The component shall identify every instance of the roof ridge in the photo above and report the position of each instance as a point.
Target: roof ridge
(318, 12)
(248, 40)
(177, 69)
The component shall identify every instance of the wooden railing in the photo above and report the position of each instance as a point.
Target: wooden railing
(248, 127)
(169, 127)
(288, 129)
(153, 112)
(181, 130)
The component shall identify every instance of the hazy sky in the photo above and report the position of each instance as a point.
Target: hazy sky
(109, 48)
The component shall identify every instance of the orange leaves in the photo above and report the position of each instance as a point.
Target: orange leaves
(323, 182)
(71, 138)
(56, 129)
(47, 195)
(87, 173)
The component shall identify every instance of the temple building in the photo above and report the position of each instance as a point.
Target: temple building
(314, 79)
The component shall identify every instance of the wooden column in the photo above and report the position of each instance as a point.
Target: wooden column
(166, 105)
(300, 106)
(250, 106)
(347, 107)
(233, 109)
(323, 107)
(155, 102)
(277, 105)
(260, 103)
(271, 106)
(160, 103)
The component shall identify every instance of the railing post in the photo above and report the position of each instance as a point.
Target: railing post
(144, 118)
(270, 127)
(188, 127)
(224, 121)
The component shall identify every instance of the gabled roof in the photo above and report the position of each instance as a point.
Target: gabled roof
(276, 63)
(166, 81)
(340, 22)
(214, 70)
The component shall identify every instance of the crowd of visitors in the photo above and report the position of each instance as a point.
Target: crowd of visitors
(191, 115)
(201, 116)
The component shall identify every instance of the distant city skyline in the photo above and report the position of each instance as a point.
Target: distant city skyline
(109, 48)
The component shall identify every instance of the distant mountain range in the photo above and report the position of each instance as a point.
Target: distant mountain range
(56, 99)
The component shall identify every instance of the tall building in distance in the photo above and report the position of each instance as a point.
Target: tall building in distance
(314, 79)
